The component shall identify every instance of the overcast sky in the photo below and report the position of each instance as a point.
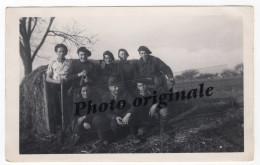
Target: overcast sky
(181, 41)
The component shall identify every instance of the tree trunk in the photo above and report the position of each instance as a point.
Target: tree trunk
(25, 47)
(27, 68)
(27, 61)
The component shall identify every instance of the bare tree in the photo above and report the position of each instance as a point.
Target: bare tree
(179, 78)
(239, 68)
(30, 46)
(228, 73)
(206, 76)
(189, 75)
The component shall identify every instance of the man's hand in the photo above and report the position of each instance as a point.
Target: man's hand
(119, 120)
(126, 118)
(82, 74)
(80, 119)
(86, 125)
(153, 110)
(63, 80)
(69, 92)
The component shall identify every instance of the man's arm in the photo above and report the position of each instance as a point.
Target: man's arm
(109, 114)
(50, 74)
(164, 68)
(73, 74)
(50, 80)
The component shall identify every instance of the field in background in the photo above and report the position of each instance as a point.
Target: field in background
(207, 124)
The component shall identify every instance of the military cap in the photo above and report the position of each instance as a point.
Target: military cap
(144, 48)
(84, 49)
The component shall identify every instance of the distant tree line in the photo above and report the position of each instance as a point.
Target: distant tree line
(194, 74)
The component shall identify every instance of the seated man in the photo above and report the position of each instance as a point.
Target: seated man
(150, 113)
(89, 121)
(121, 110)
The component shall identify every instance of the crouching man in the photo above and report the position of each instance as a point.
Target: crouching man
(150, 113)
(121, 110)
(90, 119)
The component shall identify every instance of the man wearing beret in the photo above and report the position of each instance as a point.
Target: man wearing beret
(83, 71)
(120, 112)
(153, 68)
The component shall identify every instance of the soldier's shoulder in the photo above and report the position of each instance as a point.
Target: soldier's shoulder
(116, 61)
(133, 61)
(94, 62)
(154, 57)
(75, 62)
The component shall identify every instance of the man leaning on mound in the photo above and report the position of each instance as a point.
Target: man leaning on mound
(57, 73)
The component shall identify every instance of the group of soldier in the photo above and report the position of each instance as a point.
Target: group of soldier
(109, 81)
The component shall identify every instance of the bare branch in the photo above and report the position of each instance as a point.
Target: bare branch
(21, 49)
(42, 57)
(74, 37)
(43, 38)
(29, 26)
(23, 27)
(35, 23)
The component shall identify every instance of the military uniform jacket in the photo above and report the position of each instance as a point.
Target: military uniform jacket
(154, 69)
(77, 67)
(110, 70)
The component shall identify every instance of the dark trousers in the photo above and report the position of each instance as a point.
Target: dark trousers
(118, 131)
(54, 100)
(98, 123)
(121, 131)
(145, 121)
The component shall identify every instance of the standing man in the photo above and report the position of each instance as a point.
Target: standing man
(83, 71)
(109, 68)
(57, 73)
(128, 70)
(153, 68)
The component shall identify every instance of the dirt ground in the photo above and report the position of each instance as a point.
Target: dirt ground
(209, 124)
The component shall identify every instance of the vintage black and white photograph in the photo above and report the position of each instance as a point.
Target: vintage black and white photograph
(132, 80)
